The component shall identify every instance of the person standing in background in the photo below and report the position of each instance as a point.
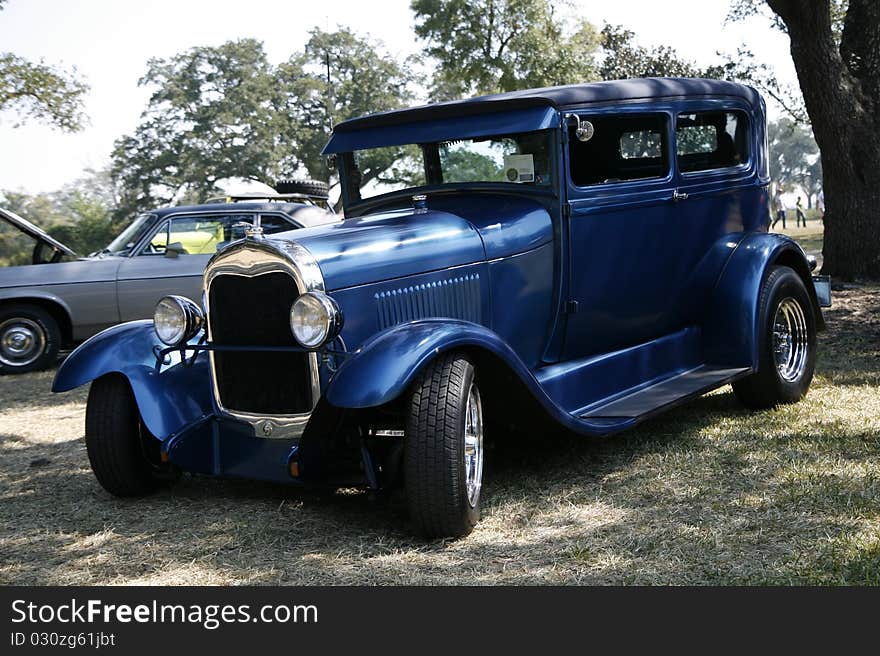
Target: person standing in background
(799, 208)
(780, 212)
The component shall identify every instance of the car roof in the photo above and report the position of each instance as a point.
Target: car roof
(284, 208)
(571, 95)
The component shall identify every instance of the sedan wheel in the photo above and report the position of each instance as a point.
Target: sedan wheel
(29, 339)
(21, 342)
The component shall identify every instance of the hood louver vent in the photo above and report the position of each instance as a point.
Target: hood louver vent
(454, 298)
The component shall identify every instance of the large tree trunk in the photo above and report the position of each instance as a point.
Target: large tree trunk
(841, 89)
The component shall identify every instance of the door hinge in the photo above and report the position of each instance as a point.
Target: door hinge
(571, 307)
(566, 210)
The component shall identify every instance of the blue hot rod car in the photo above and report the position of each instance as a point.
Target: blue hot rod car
(587, 255)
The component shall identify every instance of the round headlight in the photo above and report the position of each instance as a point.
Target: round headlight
(177, 320)
(314, 319)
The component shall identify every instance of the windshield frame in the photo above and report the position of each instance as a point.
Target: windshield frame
(353, 204)
(140, 226)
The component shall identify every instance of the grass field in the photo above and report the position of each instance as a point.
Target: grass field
(707, 494)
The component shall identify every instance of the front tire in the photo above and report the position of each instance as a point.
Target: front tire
(29, 339)
(786, 343)
(124, 456)
(443, 449)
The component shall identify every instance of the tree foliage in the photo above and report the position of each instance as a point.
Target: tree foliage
(623, 58)
(362, 79)
(38, 91)
(225, 112)
(794, 158)
(488, 46)
(835, 53)
(79, 215)
(212, 115)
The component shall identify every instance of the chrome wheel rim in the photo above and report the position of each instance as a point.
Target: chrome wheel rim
(473, 445)
(790, 340)
(22, 342)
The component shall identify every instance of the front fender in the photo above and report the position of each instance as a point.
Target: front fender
(385, 365)
(731, 324)
(169, 399)
(25, 294)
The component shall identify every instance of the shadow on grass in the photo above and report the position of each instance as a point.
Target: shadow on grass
(849, 350)
(653, 505)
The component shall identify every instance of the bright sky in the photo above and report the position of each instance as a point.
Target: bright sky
(109, 42)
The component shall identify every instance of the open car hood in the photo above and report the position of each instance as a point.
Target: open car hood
(31, 230)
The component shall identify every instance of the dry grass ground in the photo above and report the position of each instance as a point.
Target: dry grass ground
(709, 493)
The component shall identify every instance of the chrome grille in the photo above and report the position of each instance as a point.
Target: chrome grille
(254, 311)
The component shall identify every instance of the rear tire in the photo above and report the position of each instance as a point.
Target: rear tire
(29, 339)
(786, 343)
(443, 449)
(123, 454)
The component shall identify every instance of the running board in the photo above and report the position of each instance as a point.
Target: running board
(649, 400)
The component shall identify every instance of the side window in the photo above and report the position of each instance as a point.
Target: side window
(629, 147)
(197, 234)
(711, 140)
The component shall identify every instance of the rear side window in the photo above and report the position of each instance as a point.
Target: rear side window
(711, 140)
(629, 147)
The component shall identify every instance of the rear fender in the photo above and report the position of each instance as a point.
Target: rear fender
(731, 324)
(169, 398)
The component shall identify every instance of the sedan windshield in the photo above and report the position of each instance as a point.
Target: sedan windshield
(129, 237)
(524, 158)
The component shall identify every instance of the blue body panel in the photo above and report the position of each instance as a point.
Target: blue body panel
(388, 363)
(731, 316)
(390, 245)
(170, 398)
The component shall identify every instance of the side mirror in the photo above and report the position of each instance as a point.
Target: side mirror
(174, 249)
(583, 130)
(811, 261)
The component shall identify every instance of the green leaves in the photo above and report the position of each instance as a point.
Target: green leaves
(79, 216)
(794, 158)
(41, 92)
(492, 46)
(489, 46)
(226, 112)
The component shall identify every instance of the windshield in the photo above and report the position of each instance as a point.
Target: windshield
(524, 158)
(127, 239)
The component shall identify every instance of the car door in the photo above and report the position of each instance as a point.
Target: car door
(623, 241)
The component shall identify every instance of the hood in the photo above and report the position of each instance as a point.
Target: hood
(31, 230)
(390, 245)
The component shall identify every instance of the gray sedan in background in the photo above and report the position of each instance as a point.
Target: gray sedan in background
(61, 300)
